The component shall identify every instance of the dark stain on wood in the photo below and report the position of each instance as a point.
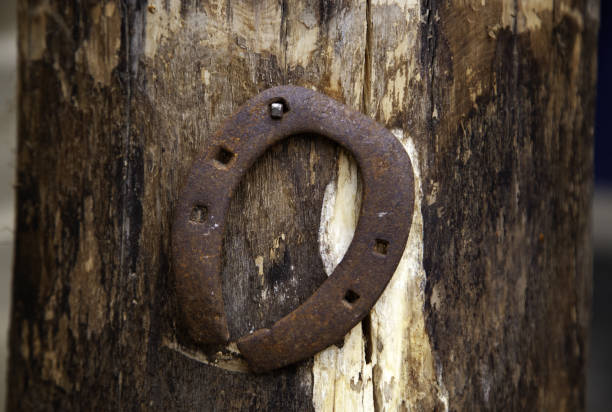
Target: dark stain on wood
(283, 194)
(509, 230)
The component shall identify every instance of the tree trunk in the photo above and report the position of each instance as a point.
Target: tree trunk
(489, 307)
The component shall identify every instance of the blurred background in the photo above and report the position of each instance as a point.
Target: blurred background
(599, 384)
(599, 391)
(8, 130)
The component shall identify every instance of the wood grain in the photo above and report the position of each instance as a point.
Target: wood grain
(489, 308)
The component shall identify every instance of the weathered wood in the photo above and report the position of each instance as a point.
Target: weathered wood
(493, 101)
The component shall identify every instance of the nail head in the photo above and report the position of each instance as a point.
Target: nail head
(276, 110)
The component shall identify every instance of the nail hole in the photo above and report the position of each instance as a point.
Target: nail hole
(351, 296)
(380, 246)
(198, 214)
(224, 157)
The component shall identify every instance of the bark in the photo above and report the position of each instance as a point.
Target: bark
(489, 307)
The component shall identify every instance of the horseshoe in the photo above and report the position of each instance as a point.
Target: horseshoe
(348, 294)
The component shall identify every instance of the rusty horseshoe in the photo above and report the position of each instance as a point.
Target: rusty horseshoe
(343, 299)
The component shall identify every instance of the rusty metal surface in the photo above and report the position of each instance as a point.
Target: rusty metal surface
(370, 261)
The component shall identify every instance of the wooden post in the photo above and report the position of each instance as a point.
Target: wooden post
(492, 100)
